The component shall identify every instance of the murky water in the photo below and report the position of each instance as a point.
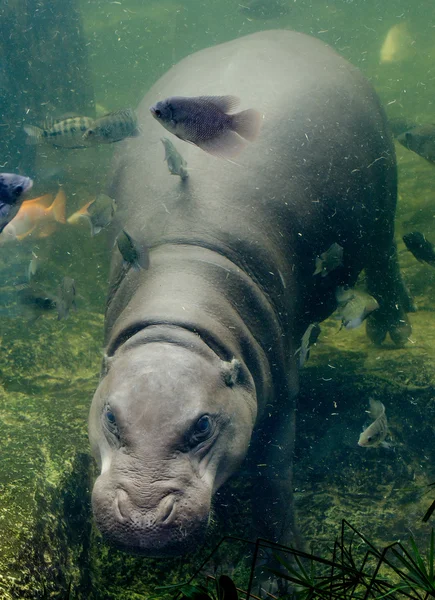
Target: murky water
(90, 58)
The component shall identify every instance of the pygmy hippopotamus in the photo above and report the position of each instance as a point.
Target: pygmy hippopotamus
(201, 348)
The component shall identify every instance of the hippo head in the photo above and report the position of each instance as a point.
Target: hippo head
(169, 423)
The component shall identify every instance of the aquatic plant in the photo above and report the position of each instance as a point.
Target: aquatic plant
(355, 570)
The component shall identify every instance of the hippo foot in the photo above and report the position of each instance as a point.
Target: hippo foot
(398, 326)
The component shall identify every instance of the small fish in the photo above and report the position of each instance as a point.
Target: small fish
(176, 163)
(420, 247)
(113, 127)
(264, 9)
(329, 260)
(354, 306)
(66, 133)
(420, 140)
(205, 122)
(12, 189)
(308, 339)
(98, 212)
(37, 218)
(398, 44)
(375, 434)
(36, 301)
(33, 267)
(65, 298)
(132, 254)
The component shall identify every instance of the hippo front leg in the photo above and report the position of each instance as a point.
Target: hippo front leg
(385, 283)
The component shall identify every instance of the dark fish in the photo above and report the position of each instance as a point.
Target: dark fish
(176, 163)
(132, 253)
(420, 140)
(400, 125)
(375, 434)
(308, 339)
(65, 298)
(99, 213)
(66, 133)
(12, 189)
(205, 122)
(113, 127)
(264, 9)
(329, 260)
(354, 306)
(36, 301)
(420, 247)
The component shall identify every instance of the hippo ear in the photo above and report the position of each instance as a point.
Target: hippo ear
(231, 371)
(105, 365)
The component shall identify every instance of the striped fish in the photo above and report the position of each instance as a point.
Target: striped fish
(64, 133)
(113, 127)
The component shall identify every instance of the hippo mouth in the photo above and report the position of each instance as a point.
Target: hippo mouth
(171, 528)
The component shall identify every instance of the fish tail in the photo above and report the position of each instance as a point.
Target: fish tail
(247, 123)
(34, 134)
(58, 207)
(80, 214)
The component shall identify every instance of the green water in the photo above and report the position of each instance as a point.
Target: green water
(49, 547)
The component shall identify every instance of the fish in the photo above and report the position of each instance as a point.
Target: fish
(113, 127)
(374, 435)
(36, 301)
(398, 44)
(399, 125)
(65, 297)
(308, 339)
(204, 121)
(132, 253)
(37, 218)
(420, 140)
(420, 247)
(12, 190)
(33, 266)
(98, 212)
(65, 133)
(329, 260)
(176, 163)
(354, 306)
(264, 9)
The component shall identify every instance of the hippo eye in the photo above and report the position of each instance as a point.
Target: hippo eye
(110, 421)
(202, 429)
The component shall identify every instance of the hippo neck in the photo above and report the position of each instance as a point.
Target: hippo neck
(199, 290)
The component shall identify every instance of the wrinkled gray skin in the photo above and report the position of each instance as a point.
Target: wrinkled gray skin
(212, 327)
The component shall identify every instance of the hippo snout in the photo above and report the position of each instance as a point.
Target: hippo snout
(168, 525)
(125, 511)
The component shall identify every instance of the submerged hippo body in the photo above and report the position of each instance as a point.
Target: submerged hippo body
(201, 349)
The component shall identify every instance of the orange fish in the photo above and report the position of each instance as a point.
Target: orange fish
(37, 218)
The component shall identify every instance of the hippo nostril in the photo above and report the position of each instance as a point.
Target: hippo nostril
(166, 509)
(121, 509)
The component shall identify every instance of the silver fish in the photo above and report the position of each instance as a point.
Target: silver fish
(132, 253)
(113, 127)
(354, 306)
(374, 435)
(308, 339)
(329, 260)
(176, 163)
(12, 189)
(66, 133)
(205, 122)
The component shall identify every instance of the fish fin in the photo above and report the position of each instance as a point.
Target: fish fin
(319, 266)
(58, 207)
(46, 230)
(376, 408)
(144, 258)
(34, 134)
(387, 445)
(21, 236)
(79, 214)
(224, 103)
(136, 132)
(247, 124)
(226, 145)
(95, 229)
(44, 201)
